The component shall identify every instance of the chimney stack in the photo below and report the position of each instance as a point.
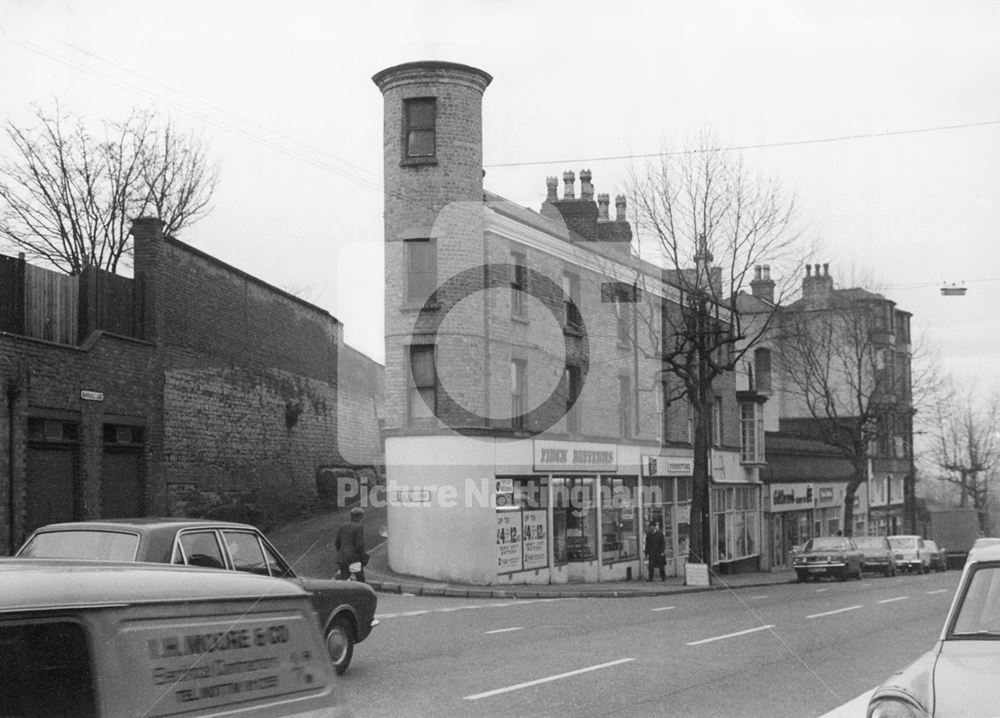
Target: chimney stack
(620, 208)
(551, 186)
(762, 286)
(817, 284)
(586, 188)
(569, 180)
(602, 207)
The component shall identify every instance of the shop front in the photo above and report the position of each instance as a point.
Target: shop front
(789, 511)
(666, 493)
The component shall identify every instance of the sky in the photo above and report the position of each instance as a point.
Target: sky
(883, 119)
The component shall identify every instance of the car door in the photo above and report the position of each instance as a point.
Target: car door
(199, 547)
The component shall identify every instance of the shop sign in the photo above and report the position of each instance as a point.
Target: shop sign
(790, 497)
(410, 496)
(536, 539)
(505, 486)
(669, 466)
(574, 456)
(825, 494)
(509, 539)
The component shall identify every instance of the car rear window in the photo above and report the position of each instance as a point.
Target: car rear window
(865, 542)
(902, 542)
(83, 544)
(46, 670)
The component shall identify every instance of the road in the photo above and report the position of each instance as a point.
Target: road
(794, 650)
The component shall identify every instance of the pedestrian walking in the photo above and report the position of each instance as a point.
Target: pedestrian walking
(656, 551)
(350, 546)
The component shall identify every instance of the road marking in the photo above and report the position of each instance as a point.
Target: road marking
(469, 607)
(664, 608)
(940, 590)
(731, 635)
(505, 630)
(548, 679)
(891, 600)
(831, 613)
(820, 590)
(757, 598)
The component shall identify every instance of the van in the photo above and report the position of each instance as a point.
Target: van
(101, 639)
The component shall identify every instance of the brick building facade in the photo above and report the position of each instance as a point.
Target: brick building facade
(220, 393)
(527, 436)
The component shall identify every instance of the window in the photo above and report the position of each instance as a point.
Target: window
(199, 548)
(762, 369)
(518, 284)
(123, 434)
(572, 392)
(571, 292)
(623, 314)
(751, 433)
(619, 532)
(421, 269)
(419, 117)
(625, 406)
(736, 514)
(422, 395)
(518, 393)
(717, 421)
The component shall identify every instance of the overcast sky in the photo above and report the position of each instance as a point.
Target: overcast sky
(882, 117)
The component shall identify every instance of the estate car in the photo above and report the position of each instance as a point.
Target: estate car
(346, 609)
(835, 556)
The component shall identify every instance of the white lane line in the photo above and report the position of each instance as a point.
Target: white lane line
(820, 590)
(400, 615)
(505, 630)
(548, 679)
(469, 607)
(664, 608)
(731, 635)
(757, 598)
(831, 613)
(893, 600)
(940, 590)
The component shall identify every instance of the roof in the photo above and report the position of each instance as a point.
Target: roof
(39, 584)
(793, 458)
(141, 524)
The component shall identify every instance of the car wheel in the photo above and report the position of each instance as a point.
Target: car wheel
(340, 643)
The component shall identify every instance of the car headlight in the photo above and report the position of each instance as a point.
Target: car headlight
(895, 708)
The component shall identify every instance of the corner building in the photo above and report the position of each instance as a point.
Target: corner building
(527, 439)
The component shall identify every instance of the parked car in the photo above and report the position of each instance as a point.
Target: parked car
(346, 609)
(939, 557)
(911, 553)
(835, 556)
(102, 640)
(957, 677)
(877, 553)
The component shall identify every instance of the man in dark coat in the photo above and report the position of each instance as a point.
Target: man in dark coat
(350, 545)
(655, 550)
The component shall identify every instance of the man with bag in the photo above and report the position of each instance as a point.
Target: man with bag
(350, 545)
(655, 550)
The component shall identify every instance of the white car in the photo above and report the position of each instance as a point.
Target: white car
(910, 553)
(957, 677)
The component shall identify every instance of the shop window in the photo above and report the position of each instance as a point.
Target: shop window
(523, 526)
(518, 284)
(419, 131)
(619, 532)
(574, 515)
(421, 269)
(736, 522)
(422, 395)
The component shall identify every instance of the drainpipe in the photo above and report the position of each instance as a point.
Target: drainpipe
(12, 394)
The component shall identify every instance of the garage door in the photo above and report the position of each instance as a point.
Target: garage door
(50, 487)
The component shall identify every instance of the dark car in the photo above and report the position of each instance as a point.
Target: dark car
(835, 556)
(346, 609)
(877, 554)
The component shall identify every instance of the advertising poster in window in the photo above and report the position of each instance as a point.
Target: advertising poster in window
(509, 541)
(535, 539)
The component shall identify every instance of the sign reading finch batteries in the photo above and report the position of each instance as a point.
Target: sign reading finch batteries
(536, 539)
(509, 542)
(574, 456)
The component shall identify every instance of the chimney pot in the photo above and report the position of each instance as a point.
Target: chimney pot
(620, 208)
(569, 179)
(551, 185)
(602, 206)
(586, 188)
(826, 270)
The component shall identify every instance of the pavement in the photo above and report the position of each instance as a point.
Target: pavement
(308, 544)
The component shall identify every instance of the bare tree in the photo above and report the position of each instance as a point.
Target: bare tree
(709, 222)
(965, 446)
(67, 198)
(838, 363)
